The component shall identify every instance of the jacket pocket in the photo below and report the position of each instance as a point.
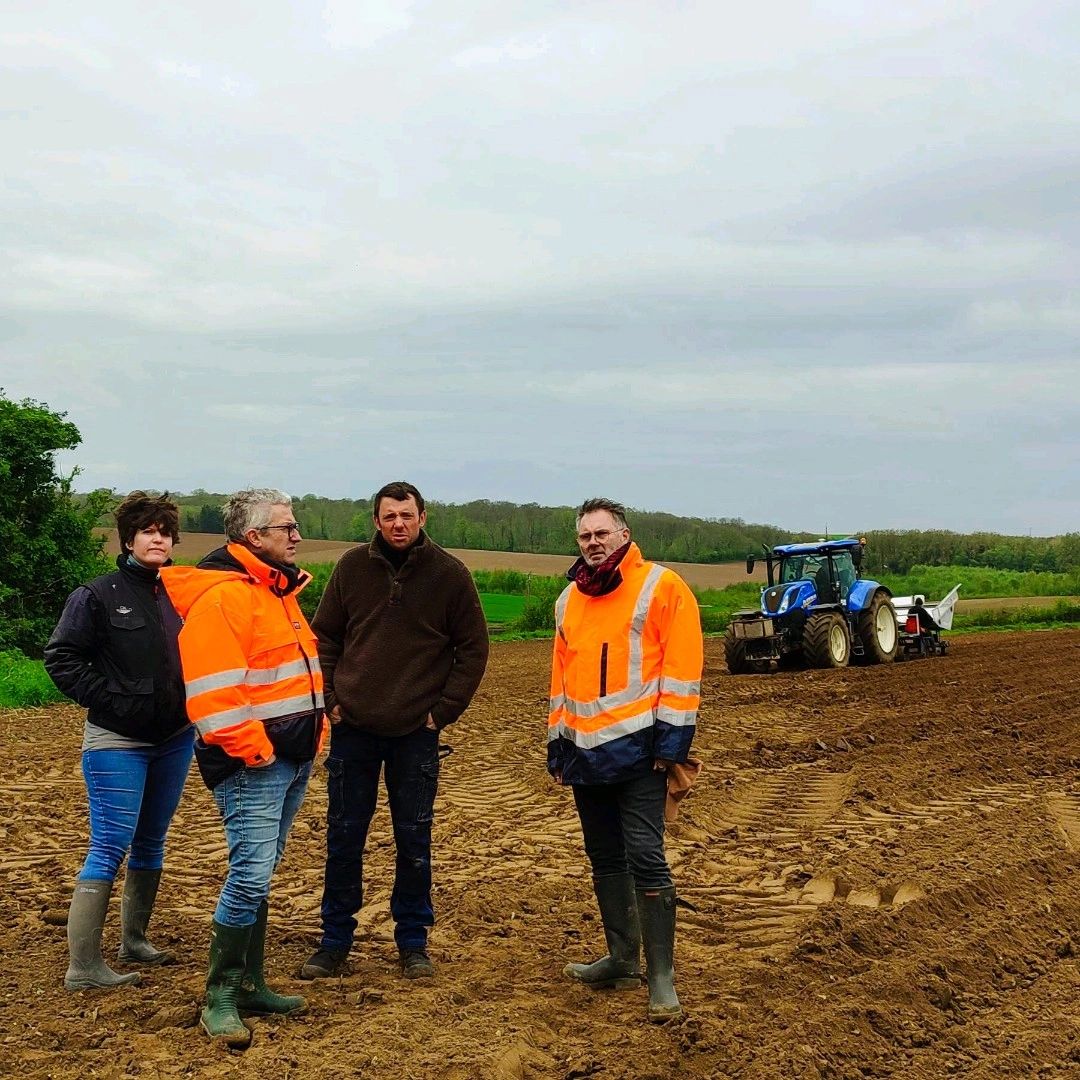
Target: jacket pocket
(126, 620)
(603, 669)
(131, 699)
(294, 737)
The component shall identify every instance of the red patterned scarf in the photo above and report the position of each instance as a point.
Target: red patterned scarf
(599, 580)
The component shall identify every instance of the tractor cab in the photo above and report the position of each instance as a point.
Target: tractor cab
(810, 575)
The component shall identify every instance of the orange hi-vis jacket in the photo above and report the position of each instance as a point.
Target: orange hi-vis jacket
(250, 660)
(625, 675)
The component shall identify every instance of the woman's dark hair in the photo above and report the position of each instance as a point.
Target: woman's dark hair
(140, 510)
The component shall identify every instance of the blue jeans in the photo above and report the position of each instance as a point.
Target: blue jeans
(623, 826)
(412, 779)
(258, 807)
(133, 794)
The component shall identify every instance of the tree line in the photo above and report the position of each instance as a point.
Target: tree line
(46, 529)
(527, 527)
(487, 525)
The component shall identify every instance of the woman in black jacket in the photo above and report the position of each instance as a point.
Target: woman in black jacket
(114, 651)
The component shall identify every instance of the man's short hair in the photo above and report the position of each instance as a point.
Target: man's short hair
(616, 510)
(140, 510)
(399, 491)
(250, 509)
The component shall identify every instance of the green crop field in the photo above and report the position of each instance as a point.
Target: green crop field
(501, 609)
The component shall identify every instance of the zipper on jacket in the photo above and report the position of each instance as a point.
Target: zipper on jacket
(603, 669)
(311, 683)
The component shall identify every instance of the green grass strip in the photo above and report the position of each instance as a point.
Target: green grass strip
(24, 683)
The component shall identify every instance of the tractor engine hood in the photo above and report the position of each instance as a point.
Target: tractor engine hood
(780, 599)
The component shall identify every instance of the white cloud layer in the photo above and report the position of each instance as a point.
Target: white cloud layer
(792, 263)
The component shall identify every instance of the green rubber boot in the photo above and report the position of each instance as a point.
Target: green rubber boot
(86, 917)
(621, 968)
(136, 907)
(228, 954)
(254, 995)
(656, 908)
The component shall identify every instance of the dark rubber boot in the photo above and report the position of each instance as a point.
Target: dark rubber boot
(228, 956)
(325, 964)
(254, 995)
(621, 968)
(416, 964)
(656, 909)
(86, 969)
(136, 907)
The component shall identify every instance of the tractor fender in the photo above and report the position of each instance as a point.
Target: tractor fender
(863, 592)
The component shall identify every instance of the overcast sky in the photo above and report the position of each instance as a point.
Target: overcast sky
(801, 263)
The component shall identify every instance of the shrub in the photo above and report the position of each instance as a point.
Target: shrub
(46, 535)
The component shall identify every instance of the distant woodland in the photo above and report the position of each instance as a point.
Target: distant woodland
(505, 526)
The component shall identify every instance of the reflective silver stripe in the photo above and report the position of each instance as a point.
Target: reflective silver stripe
(286, 707)
(592, 739)
(677, 717)
(611, 701)
(263, 676)
(560, 608)
(669, 685)
(556, 703)
(637, 622)
(220, 680)
(225, 719)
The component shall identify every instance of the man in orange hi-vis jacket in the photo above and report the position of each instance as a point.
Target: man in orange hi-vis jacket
(625, 690)
(255, 695)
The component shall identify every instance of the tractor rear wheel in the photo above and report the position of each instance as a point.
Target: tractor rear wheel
(826, 643)
(735, 654)
(877, 631)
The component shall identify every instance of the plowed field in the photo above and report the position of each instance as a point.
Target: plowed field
(878, 875)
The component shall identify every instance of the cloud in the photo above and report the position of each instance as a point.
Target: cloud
(41, 49)
(362, 26)
(703, 259)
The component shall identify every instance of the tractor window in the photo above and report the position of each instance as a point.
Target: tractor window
(791, 570)
(799, 568)
(845, 571)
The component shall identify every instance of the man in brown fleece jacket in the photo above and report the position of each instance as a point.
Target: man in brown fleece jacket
(403, 644)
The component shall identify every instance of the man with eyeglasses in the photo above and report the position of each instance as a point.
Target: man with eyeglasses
(625, 690)
(255, 695)
(403, 644)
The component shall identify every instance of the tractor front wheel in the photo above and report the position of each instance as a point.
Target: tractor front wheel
(826, 643)
(735, 654)
(877, 631)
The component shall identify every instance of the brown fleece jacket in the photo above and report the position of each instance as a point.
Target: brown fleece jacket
(395, 646)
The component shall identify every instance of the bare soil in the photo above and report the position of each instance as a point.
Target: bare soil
(877, 871)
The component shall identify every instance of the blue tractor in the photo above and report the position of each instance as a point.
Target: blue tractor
(816, 611)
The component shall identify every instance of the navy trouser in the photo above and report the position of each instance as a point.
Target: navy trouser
(412, 777)
(133, 794)
(623, 826)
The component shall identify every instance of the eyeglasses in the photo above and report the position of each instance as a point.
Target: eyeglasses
(292, 527)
